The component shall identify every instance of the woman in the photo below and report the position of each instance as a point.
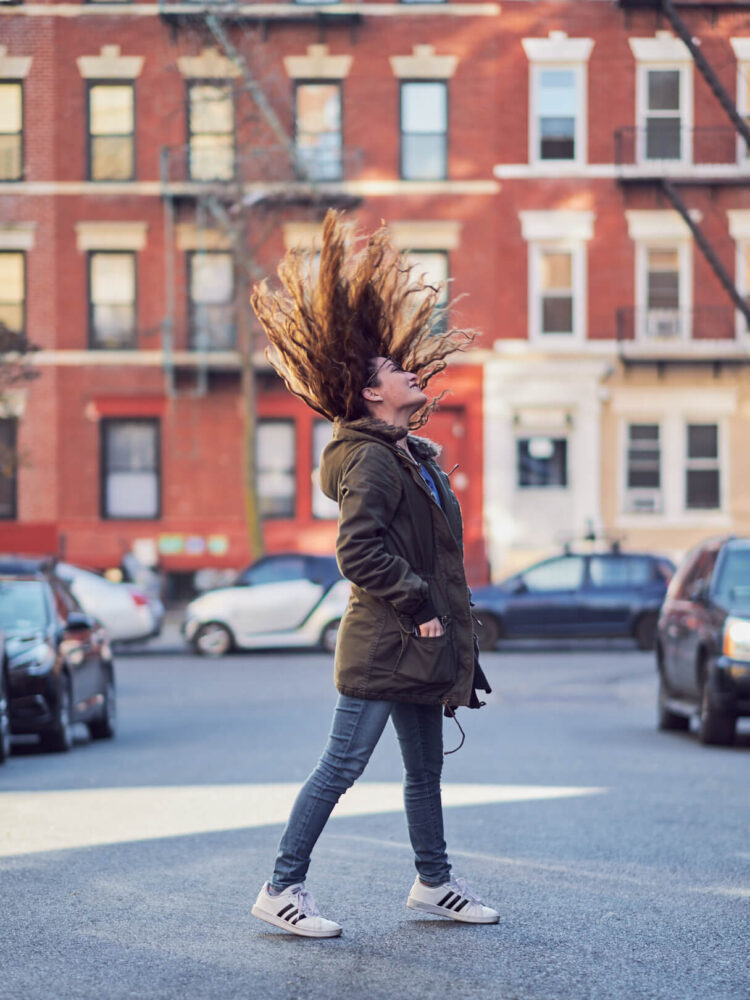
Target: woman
(357, 343)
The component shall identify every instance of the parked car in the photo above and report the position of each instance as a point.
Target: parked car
(595, 594)
(703, 641)
(291, 599)
(57, 664)
(125, 613)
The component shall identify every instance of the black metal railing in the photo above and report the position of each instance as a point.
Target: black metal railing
(665, 143)
(270, 164)
(660, 326)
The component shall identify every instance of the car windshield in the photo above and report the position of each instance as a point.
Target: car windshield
(22, 604)
(733, 584)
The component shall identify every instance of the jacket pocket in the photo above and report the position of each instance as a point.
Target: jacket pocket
(428, 659)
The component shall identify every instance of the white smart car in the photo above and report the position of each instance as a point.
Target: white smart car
(287, 600)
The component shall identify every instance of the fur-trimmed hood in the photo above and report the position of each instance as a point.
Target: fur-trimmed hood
(421, 447)
(367, 428)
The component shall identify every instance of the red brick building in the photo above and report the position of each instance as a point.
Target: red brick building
(520, 149)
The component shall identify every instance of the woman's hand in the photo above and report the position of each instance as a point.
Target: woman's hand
(431, 629)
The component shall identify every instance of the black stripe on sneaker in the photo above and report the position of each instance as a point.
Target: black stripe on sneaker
(288, 906)
(293, 913)
(445, 898)
(300, 916)
(449, 906)
(461, 905)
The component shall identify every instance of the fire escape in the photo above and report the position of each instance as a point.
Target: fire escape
(233, 194)
(248, 193)
(668, 158)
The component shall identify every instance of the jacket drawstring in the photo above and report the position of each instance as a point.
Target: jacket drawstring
(449, 711)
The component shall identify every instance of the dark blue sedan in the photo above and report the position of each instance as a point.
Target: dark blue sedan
(589, 595)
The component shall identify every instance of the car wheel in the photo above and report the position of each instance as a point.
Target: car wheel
(645, 631)
(105, 727)
(487, 630)
(329, 635)
(213, 639)
(668, 720)
(60, 737)
(4, 720)
(716, 728)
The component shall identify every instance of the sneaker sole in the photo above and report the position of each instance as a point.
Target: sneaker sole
(271, 918)
(441, 911)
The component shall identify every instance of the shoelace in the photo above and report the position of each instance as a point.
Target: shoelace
(459, 885)
(304, 901)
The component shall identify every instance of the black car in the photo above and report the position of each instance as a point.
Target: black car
(609, 594)
(703, 641)
(56, 662)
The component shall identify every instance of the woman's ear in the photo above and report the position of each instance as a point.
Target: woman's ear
(371, 395)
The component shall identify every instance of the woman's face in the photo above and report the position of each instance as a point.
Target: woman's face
(393, 388)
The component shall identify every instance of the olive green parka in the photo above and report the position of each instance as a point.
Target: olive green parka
(404, 557)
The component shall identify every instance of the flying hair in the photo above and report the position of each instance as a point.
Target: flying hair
(326, 323)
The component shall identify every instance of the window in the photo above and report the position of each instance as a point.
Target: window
(556, 291)
(431, 266)
(11, 131)
(211, 125)
(211, 291)
(643, 473)
(322, 505)
(112, 309)
(276, 464)
(318, 130)
(275, 569)
(558, 97)
(663, 119)
(615, 572)
(702, 476)
(665, 290)
(111, 132)
(424, 131)
(565, 573)
(130, 469)
(13, 291)
(542, 462)
(733, 584)
(8, 470)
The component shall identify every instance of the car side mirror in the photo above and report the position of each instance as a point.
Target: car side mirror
(519, 586)
(699, 592)
(78, 621)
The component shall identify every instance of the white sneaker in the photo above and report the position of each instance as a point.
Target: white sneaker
(295, 911)
(453, 899)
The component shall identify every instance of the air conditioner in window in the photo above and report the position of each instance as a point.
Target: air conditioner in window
(663, 323)
(643, 502)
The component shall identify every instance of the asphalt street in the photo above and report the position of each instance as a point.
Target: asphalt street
(619, 857)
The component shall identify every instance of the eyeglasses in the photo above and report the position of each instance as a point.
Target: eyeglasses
(395, 366)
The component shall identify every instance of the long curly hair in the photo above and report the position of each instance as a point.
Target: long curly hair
(328, 321)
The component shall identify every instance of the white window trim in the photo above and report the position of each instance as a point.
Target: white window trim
(558, 230)
(111, 235)
(743, 75)
(723, 465)
(739, 230)
(17, 235)
(318, 64)
(581, 127)
(13, 67)
(673, 410)
(577, 249)
(645, 517)
(685, 257)
(110, 65)
(685, 70)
